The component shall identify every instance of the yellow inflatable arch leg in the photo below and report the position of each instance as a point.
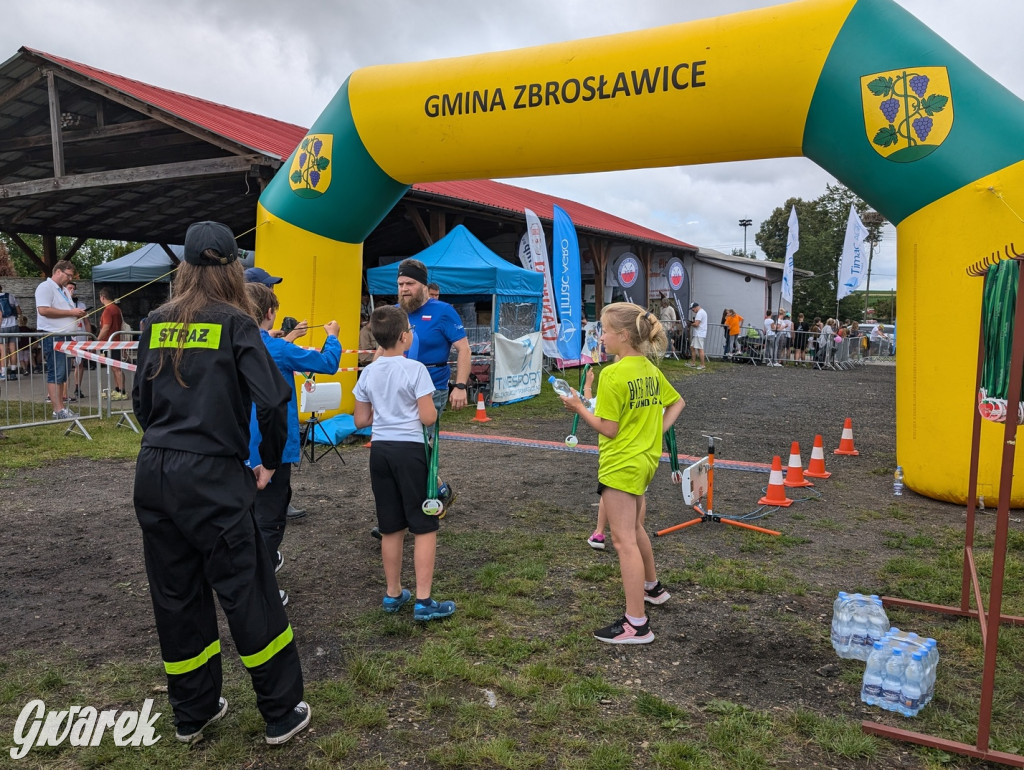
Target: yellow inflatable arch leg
(859, 86)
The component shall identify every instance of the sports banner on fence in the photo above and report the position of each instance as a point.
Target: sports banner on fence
(539, 263)
(568, 287)
(851, 263)
(517, 368)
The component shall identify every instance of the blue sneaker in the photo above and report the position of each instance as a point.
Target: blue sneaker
(395, 603)
(434, 610)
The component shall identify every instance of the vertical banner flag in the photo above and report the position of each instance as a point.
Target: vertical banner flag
(792, 246)
(678, 286)
(630, 276)
(539, 263)
(851, 263)
(569, 289)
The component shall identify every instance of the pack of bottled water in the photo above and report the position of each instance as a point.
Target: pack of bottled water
(900, 673)
(858, 622)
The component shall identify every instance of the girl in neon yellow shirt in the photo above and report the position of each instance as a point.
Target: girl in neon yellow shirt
(636, 407)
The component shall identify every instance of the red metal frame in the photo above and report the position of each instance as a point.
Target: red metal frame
(991, 619)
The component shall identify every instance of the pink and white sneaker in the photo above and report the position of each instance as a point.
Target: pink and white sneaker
(624, 632)
(596, 540)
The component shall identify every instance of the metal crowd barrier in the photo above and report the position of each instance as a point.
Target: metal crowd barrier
(24, 398)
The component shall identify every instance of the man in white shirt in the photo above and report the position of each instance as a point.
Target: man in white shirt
(698, 333)
(771, 340)
(56, 317)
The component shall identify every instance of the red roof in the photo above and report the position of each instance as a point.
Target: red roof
(276, 138)
(515, 199)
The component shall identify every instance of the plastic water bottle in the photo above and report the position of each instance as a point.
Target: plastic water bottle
(563, 388)
(874, 672)
(892, 680)
(878, 621)
(846, 625)
(931, 660)
(897, 481)
(837, 629)
(860, 634)
(912, 686)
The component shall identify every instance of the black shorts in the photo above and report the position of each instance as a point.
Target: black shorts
(398, 477)
(115, 355)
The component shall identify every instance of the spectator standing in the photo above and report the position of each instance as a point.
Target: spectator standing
(111, 321)
(56, 317)
(698, 333)
(273, 501)
(367, 344)
(83, 325)
(785, 334)
(201, 366)
(9, 312)
(396, 396)
(771, 340)
(801, 329)
(734, 322)
(670, 321)
(434, 290)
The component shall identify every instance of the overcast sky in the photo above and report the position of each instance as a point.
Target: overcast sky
(286, 60)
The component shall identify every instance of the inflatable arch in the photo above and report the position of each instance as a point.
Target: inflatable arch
(860, 87)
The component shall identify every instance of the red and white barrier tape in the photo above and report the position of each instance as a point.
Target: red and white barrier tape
(80, 349)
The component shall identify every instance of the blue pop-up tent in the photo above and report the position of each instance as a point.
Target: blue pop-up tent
(150, 263)
(466, 270)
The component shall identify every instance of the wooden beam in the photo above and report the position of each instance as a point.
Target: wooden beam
(119, 97)
(437, 222)
(50, 253)
(174, 257)
(102, 132)
(413, 215)
(58, 148)
(599, 253)
(79, 242)
(27, 251)
(194, 169)
(20, 87)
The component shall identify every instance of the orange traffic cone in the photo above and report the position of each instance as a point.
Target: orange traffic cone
(776, 494)
(795, 469)
(816, 468)
(481, 413)
(846, 442)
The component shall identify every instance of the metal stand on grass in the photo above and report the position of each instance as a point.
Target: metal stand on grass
(991, 619)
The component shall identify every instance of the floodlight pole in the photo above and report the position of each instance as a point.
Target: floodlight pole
(745, 223)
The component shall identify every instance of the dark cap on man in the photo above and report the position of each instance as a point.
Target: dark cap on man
(210, 243)
(259, 275)
(411, 269)
(694, 305)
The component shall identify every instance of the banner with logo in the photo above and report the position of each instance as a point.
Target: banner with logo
(792, 247)
(539, 263)
(629, 276)
(516, 373)
(568, 287)
(678, 286)
(851, 264)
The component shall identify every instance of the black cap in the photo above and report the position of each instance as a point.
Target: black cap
(212, 236)
(694, 304)
(259, 275)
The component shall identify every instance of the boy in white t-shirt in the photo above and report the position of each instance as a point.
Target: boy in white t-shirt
(394, 394)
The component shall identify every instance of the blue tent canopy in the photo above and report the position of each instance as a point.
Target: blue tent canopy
(462, 265)
(146, 264)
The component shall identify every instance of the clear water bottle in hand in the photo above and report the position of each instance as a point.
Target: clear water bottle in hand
(563, 388)
(897, 481)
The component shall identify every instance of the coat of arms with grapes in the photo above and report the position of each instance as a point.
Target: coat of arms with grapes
(908, 112)
(310, 172)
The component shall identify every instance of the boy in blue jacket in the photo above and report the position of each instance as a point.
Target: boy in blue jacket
(272, 501)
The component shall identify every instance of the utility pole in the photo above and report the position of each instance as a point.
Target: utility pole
(745, 223)
(873, 221)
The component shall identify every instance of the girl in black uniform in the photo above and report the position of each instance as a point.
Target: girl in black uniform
(201, 366)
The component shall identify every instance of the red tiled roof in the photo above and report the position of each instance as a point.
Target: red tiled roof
(276, 138)
(515, 199)
(263, 134)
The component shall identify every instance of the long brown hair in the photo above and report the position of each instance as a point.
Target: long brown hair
(646, 334)
(196, 289)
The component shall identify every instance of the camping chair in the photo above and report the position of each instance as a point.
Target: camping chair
(323, 397)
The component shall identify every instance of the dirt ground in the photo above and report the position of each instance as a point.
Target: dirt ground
(72, 566)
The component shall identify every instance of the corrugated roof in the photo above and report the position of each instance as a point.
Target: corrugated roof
(277, 138)
(257, 132)
(514, 199)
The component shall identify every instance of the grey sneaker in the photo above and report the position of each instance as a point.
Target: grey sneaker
(66, 414)
(296, 721)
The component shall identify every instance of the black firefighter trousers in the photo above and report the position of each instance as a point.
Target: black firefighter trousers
(198, 532)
